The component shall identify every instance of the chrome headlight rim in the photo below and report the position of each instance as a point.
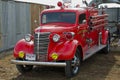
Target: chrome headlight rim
(27, 37)
(56, 37)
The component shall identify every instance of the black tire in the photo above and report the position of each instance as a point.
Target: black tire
(106, 50)
(70, 70)
(24, 68)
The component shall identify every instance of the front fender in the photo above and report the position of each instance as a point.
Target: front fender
(105, 34)
(65, 50)
(22, 45)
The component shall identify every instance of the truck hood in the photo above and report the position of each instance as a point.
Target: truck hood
(54, 28)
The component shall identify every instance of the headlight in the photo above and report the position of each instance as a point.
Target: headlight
(28, 37)
(56, 38)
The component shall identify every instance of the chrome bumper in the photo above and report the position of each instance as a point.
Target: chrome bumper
(59, 64)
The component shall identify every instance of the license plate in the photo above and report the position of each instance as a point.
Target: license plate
(30, 57)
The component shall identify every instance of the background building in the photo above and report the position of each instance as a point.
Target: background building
(16, 20)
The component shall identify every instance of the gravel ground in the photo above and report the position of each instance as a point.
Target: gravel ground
(97, 67)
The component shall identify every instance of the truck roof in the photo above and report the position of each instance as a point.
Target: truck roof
(65, 9)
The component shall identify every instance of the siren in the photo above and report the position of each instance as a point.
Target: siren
(60, 4)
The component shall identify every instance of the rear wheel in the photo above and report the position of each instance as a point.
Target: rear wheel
(24, 68)
(106, 50)
(73, 66)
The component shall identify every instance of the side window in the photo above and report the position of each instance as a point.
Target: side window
(82, 17)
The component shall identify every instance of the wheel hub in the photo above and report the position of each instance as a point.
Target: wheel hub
(75, 64)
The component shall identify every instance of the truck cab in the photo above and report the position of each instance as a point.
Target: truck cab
(65, 38)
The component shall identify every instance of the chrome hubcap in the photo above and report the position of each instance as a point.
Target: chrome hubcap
(75, 64)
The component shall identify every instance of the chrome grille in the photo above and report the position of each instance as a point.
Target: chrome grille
(41, 41)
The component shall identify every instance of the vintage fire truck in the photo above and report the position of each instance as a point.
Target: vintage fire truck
(65, 38)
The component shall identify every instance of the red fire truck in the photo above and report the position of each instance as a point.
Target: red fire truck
(65, 38)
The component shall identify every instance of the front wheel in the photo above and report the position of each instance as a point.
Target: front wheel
(73, 66)
(24, 68)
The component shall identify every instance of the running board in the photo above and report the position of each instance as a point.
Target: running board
(93, 50)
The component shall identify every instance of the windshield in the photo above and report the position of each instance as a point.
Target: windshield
(54, 17)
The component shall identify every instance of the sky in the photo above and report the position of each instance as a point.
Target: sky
(53, 2)
(74, 2)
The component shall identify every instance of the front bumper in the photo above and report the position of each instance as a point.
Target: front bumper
(59, 64)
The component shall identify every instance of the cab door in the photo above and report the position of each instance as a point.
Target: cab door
(83, 30)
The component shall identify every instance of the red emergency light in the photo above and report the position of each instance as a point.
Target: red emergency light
(59, 4)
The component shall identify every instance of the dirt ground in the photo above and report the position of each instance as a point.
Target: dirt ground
(97, 67)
